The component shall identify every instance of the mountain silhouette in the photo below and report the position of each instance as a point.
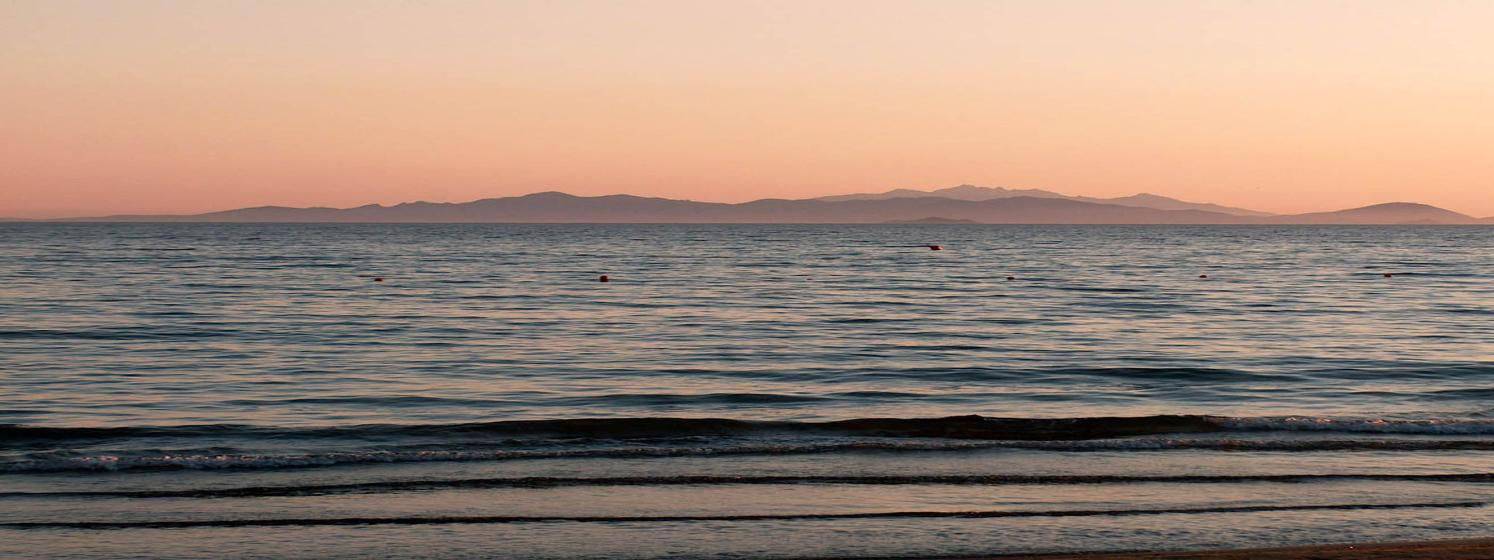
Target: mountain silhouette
(972, 192)
(1389, 213)
(965, 203)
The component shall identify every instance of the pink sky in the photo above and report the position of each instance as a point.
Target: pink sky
(1287, 106)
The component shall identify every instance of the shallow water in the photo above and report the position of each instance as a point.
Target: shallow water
(195, 390)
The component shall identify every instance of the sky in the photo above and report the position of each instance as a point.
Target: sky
(138, 106)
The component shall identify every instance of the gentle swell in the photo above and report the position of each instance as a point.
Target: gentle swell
(211, 447)
(702, 480)
(266, 461)
(495, 519)
(1366, 425)
(958, 427)
(953, 427)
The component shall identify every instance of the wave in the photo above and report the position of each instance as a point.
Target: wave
(969, 427)
(497, 519)
(220, 461)
(1190, 374)
(701, 480)
(232, 446)
(1462, 394)
(1361, 425)
(957, 427)
(121, 333)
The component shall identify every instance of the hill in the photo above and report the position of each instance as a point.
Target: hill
(974, 193)
(932, 220)
(1403, 213)
(558, 207)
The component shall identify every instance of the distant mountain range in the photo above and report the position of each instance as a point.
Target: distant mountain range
(972, 192)
(931, 220)
(961, 204)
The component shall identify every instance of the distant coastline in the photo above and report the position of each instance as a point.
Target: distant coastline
(932, 220)
(964, 204)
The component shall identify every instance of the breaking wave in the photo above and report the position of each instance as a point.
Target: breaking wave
(216, 447)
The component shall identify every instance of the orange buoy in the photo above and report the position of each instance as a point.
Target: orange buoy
(604, 278)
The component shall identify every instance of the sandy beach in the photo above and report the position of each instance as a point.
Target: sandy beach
(1465, 549)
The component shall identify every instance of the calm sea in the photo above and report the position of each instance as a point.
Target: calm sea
(327, 391)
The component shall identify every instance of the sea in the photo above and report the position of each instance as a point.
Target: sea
(738, 391)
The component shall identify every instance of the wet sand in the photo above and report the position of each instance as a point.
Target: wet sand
(1470, 549)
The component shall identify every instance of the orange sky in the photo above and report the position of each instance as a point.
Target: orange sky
(139, 106)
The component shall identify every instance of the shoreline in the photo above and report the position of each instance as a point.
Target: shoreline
(1459, 549)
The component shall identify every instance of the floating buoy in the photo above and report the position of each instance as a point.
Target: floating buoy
(1203, 276)
(604, 278)
(379, 279)
(935, 248)
(1011, 277)
(1388, 275)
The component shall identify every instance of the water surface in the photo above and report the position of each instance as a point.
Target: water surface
(196, 390)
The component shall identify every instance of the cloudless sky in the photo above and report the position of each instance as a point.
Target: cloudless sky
(149, 106)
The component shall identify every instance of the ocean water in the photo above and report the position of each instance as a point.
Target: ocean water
(775, 391)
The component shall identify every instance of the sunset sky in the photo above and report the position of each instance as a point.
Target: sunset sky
(1286, 106)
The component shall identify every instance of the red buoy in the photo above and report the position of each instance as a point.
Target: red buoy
(1387, 275)
(1011, 277)
(604, 278)
(935, 248)
(1203, 276)
(379, 279)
